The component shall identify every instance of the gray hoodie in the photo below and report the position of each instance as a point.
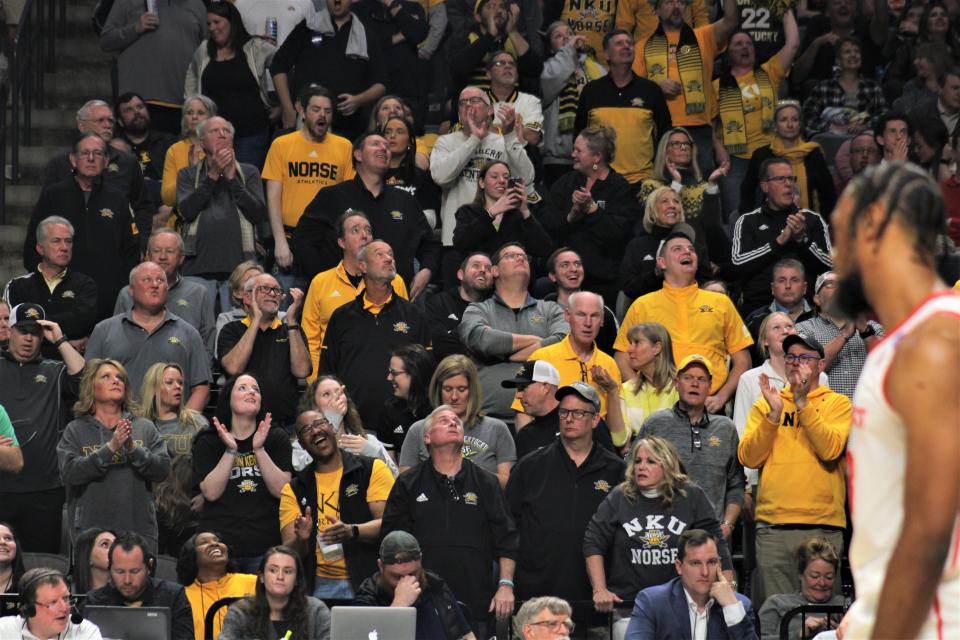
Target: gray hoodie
(111, 490)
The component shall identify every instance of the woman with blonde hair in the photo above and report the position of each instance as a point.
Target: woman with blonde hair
(109, 459)
(162, 402)
(238, 277)
(631, 541)
(651, 356)
(487, 441)
(186, 152)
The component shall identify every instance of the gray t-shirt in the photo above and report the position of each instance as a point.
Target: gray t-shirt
(178, 436)
(486, 444)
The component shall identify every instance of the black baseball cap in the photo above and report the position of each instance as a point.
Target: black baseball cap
(807, 341)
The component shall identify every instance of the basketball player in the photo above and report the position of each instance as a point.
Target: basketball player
(45, 611)
(904, 449)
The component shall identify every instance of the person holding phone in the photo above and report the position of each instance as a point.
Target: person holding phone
(711, 606)
(500, 213)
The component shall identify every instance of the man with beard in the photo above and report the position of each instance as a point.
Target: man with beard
(105, 244)
(777, 230)
(297, 166)
(845, 343)
(148, 146)
(903, 555)
(445, 309)
(796, 438)
(403, 582)
(330, 512)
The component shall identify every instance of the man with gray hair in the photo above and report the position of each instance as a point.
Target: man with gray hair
(185, 297)
(148, 333)
(105, 245)
(68, 296)
(274, 349)
(543, 618)
(221, 201)
(122, 169)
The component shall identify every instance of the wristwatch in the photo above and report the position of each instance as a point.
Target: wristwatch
(868, 332)
(355, 530)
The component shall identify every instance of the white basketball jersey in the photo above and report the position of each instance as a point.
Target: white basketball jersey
(876, 457)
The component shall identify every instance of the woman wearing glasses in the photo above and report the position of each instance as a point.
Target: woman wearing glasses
(810, 170)
(241, 465)
(411, 367)
(487, 441)
(631, 541)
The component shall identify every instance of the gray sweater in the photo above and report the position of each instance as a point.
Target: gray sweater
(238, 618)
(111, 490)
(777, 606)
(487, 330)
(715, 466)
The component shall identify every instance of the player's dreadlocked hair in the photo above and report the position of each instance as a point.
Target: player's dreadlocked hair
(905, 192)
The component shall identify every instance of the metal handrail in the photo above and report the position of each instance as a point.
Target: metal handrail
(802, 611)
(33, 54)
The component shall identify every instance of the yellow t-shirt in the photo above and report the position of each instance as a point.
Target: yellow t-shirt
(202, 595)
(562, 356)
(330, 290)
(750, 96)
(640, 405)
(328, 504)
(677, 105)
(305, 167)
(699, 321)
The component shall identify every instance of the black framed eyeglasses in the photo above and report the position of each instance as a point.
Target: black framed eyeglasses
(555, 625)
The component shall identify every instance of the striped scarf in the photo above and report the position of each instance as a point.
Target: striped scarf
(656, 56)
(588, 69)
(732, 115)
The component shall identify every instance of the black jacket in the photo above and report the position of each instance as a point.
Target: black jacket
(72, 304)
(105, 245)
(159, 593)
(444, 311)
(396, 218)
(599, 239)
(755, 251)
(360, 555)
(552, 500)
(441, 598)
(461, 537)
(820, 186)
(123, 173)
(357, 345)
(474, 231)
(400, 59)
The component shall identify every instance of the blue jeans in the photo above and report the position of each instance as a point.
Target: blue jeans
(326, 588)
(730, 188)
(219, 292)
(252, 149)
(703, 137)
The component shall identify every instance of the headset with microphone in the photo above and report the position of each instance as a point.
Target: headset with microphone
(28, 594)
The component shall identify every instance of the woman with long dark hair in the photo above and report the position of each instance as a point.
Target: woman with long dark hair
(206, 573)
(91, 560)
(232, 68)
(110, 459)
(241, 465)
(404, 172)
(11, 567)
(411, 367)
(279, 605)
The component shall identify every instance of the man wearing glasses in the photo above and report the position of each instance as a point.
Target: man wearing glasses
(544, 618)
(777, 230)
(261, 342)
(706, 444)
(45, 609)
(796, 437)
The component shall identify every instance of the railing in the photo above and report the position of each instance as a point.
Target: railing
(33, 54)
(836, 612)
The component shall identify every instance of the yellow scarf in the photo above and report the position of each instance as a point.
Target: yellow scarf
(478, 78)
(586, 71)
(732, 115)
(656, 54)
(796, 156)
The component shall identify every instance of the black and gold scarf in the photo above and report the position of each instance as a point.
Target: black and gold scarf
(656, 56)
(732, 115)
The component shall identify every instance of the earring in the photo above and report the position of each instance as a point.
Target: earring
(595, 166)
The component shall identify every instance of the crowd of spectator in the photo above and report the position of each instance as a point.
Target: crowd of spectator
(521, 305)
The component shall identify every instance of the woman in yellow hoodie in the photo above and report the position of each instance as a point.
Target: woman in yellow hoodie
(202, 569)
(796, 438)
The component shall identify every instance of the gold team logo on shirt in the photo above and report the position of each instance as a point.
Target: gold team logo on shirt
(638, 102)
(537, 319)
(602, 485)
(396, 215)
(470, 498)
(182, 303)
(113, 167)
(173, 340)
(247, 486)
(352, 490)
(401, 327)
(40, 378)
(714, 441)
(705, 308)
(106, 213)
(654, 538)
(68, 294)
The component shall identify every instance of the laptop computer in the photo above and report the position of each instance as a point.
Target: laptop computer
(130, 623)
(373, 623)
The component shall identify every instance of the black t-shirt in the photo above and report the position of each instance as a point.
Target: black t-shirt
(246, 516)
(270, 359)
(230, 84)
